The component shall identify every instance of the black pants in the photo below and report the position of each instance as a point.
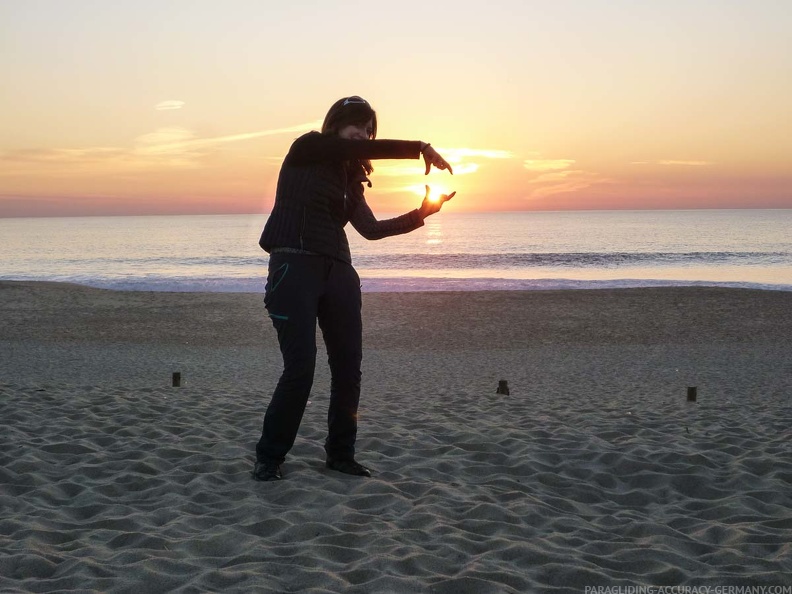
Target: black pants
(302, 289)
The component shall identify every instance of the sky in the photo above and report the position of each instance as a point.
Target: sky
(189, 106)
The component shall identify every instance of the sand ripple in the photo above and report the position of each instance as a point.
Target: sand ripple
(149, 490)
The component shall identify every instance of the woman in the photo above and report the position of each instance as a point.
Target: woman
(311, 277)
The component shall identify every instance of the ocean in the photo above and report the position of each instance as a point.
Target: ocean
(453, 251)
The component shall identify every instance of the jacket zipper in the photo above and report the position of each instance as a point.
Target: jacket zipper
(340, 230)
(302, 230)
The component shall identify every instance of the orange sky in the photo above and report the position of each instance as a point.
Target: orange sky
(189, 107)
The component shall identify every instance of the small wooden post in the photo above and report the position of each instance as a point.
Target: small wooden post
(176, 379)
(503, 387)
(691, 394)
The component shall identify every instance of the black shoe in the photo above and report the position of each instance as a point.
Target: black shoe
(267, 471)
(348, 466)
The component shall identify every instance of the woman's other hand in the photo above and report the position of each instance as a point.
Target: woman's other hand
(432, 157)
(429, 206)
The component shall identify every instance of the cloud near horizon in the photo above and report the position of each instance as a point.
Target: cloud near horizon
(555, 176)
(674, 162)
(547, 164)
(562, 182)
(169, 147)
(169, 105)
(175, 140)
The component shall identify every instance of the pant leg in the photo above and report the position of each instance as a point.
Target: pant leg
(294, 284)
(342, 329)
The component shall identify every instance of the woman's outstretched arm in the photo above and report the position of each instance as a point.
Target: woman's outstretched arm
(316, 148)
(364, 221)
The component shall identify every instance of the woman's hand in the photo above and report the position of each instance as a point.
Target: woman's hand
(429, 206)
(432, 157)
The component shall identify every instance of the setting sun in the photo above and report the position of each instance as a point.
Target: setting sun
(435, 191)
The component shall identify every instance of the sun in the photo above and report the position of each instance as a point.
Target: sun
(435, 191)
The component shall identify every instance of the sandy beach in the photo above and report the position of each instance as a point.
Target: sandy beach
(594, 471)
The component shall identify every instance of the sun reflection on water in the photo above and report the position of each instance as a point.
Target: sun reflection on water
(434, 231)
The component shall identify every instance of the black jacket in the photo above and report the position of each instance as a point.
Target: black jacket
(318, 195)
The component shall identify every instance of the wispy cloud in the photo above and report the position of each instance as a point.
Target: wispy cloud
(547, 164)
(163, 141)
(59, 155)
(562, 182)
(168, 105)
(672, 162)
(179, 139)
(556, 176)
(170, 147)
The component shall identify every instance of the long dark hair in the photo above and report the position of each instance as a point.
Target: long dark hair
(347, 111)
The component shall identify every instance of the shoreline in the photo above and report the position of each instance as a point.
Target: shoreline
(415, 284)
